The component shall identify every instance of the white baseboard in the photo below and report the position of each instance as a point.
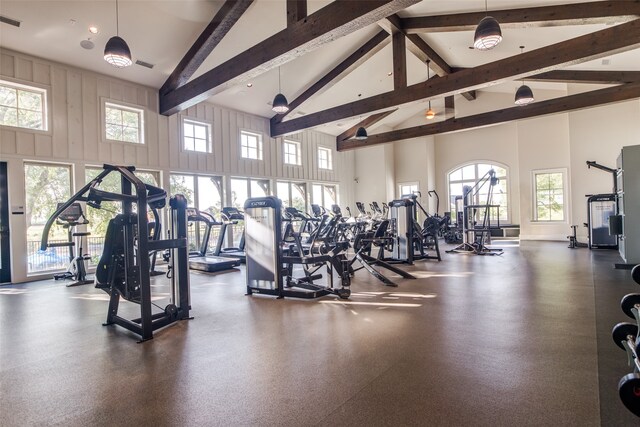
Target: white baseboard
(553, 237)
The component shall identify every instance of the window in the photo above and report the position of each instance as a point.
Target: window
(324, 158)
(292, 155)
(549, 195)
(470, 175)
(196, 136)
(250, 145)
(204, 193)
(408, 188)
(241, 190)
(99, 218)
(123, 123)
(22, 106)
(324, 195)
(292, 194)
(45, 186)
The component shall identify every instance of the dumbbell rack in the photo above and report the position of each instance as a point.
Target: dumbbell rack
(626, 336)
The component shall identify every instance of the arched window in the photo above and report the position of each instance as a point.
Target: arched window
(470, 174)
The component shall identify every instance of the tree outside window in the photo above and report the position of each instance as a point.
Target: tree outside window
(549, 196)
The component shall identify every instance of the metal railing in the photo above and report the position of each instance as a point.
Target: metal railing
(55, 259)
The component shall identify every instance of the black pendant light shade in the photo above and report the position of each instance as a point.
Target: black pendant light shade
(280, 104)
(488, 34)
(524, 95)
(117, 53)
(361, 134)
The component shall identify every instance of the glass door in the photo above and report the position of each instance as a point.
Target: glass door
(5, 261)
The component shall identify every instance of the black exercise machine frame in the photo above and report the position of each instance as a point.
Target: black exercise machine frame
(137, 263)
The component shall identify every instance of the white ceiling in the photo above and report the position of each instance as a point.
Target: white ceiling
(161, 31)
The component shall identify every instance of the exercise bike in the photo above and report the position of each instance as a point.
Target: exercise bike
(70, 218)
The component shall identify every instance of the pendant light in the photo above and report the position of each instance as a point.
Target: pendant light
(116, 51)
(280, 104)
(430, 114)
(488, 33)
(361, 133)
(524, 94)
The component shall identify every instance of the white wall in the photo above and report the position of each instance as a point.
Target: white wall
(565, 141)
(598, 134)
(374, 171)
(543, 143)
(74, 138)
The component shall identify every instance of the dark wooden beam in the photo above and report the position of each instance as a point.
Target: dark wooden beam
(449, 103)
(219, 26)
(579, 76)
(421, 49)
(296, 10)
(399, 45)
(612, 40)
(602, 12)
(333, 21)
(553, 106)
(353, 61)
(369, 121)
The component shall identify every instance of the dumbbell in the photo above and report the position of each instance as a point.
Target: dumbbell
(635, 274)
(629, 304)
(629, 391)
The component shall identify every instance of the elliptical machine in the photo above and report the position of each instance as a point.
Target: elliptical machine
(70, 218)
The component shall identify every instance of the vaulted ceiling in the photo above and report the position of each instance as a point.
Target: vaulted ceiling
(161, 32)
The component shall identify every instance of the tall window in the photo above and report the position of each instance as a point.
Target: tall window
(196, 136)
(22, 106)
(549, 195)
(46, 185)
(241, 190)
(293, 194)
(292, 155)
(324, 158)
(250, 145)
(99, 218)
(324, 195)
(408, 188)
(123, 123)
(204, 193)
(473, 174)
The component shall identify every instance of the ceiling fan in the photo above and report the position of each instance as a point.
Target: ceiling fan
(430, 113)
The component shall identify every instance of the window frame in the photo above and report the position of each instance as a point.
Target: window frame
(565, 195)
(463, 181)
(297, 154)
(71, 169)
(408, 184)
(196, 122)
(46, 103)
(259, 148)
(329, 158)
(122, 106)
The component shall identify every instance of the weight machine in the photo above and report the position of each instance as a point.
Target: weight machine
(475, 236)
(124, 267)
(270, 261)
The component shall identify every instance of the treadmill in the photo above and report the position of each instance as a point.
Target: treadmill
(230, 217)
(200, 260)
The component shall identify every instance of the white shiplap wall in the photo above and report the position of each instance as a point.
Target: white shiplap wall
(74, 137)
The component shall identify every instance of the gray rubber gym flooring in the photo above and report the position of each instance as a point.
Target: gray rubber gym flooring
(516, 340)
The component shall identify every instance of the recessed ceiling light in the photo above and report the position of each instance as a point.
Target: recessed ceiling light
(93, 29)
(390, 73)
(249, 84)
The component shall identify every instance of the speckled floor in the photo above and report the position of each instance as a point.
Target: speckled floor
(519, 339)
